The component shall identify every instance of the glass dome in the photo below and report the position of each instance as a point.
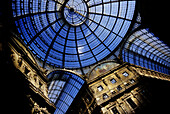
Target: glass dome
(72, 33)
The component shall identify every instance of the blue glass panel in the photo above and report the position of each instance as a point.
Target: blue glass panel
(118, 25)
(123, 8)
(97, 18)
(88, 55)
(13, 7)
(56, 54)
(93, 22)
(71, 43)
(58, 111)
(109, 39)
(71, 58)
(104, 35)
(86, 62)
(72, 64)
(59, 103)
(43, 20)
(102, 54)
(51, 6)
(98, 49)
(125, 27)
(35, 6)
(93, 26)
(99, 30)
(107, 8)
(131, 60)
(60, 41)
(131, 8)
(26, 8)
(37, 50)
(92, 39)
(103, 21)
(111, 20)
(98, 9)
(43, 6)
(51, 17)
(117, 41)
(79, 35)
(54, 60)
(83, 49)
(81, 42)
(43, 46)
(74, 92)
(24, 31)
(71, 51)
(50, 32)
(38, 23)
(56, 26)
(114, 8)
(30, 26)
(71, 36)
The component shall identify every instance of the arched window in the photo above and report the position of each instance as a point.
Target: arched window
(63, 88)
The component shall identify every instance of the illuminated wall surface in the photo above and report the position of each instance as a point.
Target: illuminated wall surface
(72, 34)
(64, 86)
(146, 50)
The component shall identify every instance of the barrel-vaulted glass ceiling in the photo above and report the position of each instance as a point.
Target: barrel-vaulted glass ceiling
(72, 33)
(63, 88)
(146, 50)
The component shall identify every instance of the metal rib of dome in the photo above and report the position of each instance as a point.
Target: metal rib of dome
(72, 33)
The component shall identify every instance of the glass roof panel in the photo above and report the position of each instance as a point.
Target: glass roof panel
(143, 48)
(63, 88)
(67, 33)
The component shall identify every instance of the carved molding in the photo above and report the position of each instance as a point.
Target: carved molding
(39, 110)
(29, 73)
(150, 73)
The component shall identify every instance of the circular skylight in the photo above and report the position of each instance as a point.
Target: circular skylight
(72, 33)
(75, 12)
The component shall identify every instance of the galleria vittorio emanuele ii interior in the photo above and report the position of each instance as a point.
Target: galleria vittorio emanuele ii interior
(84, 57)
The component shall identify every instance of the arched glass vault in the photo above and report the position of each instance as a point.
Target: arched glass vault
(144, 49)
(72, 33)
(63, 88)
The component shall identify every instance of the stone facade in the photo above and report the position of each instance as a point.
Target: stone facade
(35, 88)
